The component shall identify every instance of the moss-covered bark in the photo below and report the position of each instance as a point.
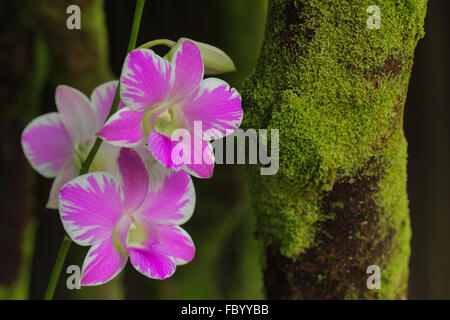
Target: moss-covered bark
(336, 91)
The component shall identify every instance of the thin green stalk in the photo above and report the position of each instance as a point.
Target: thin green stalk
(65, 245)
(163, 42)
(62, 253)
(90, 157)
(136, 24)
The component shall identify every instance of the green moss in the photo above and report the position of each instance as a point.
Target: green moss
(335, 89)
(394, 203)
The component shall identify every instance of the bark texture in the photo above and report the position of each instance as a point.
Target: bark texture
(336, 91)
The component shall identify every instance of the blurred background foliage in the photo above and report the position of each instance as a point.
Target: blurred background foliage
(38, 52)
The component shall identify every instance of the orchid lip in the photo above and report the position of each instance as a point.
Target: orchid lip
(136, 233)
(165, 123)
(136, 237)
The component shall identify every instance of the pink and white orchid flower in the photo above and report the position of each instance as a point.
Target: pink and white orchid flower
(135, 213)
(57, 143)
(161, 97)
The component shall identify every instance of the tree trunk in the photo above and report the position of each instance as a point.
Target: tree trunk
(336, 90)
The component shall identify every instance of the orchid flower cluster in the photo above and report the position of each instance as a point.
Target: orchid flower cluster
(138, 190)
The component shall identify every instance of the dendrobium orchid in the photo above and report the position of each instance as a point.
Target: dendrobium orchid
(131, 196)
(161, 97)
(135, 213)
(57, 143)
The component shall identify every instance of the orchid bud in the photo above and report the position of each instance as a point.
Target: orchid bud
(215, 60)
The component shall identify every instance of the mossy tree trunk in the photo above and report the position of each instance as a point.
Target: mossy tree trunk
(336, 90)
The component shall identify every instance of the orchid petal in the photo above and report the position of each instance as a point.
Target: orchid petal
(67, 173)
(90, 206)
(161, 147)
(205, 167)
(146, 156)
(124, 128)
(217, 107)
(102, 99)
(134, 178)
(47, 144)
(76, 113)
(188, 69)
(194, 155)
(153, 262)
(146, 79)
(177, 242)
(171, 197)
(102, 263)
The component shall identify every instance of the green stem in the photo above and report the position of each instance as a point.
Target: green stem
(65, 245)
(164, 42)
(136, 24)
(62, 253)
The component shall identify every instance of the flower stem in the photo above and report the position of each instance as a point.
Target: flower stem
(164, 42)
(65, 245)
(136, 24)
(62, 253)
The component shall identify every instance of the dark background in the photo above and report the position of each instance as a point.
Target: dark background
(227, 263)
(427, 131)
